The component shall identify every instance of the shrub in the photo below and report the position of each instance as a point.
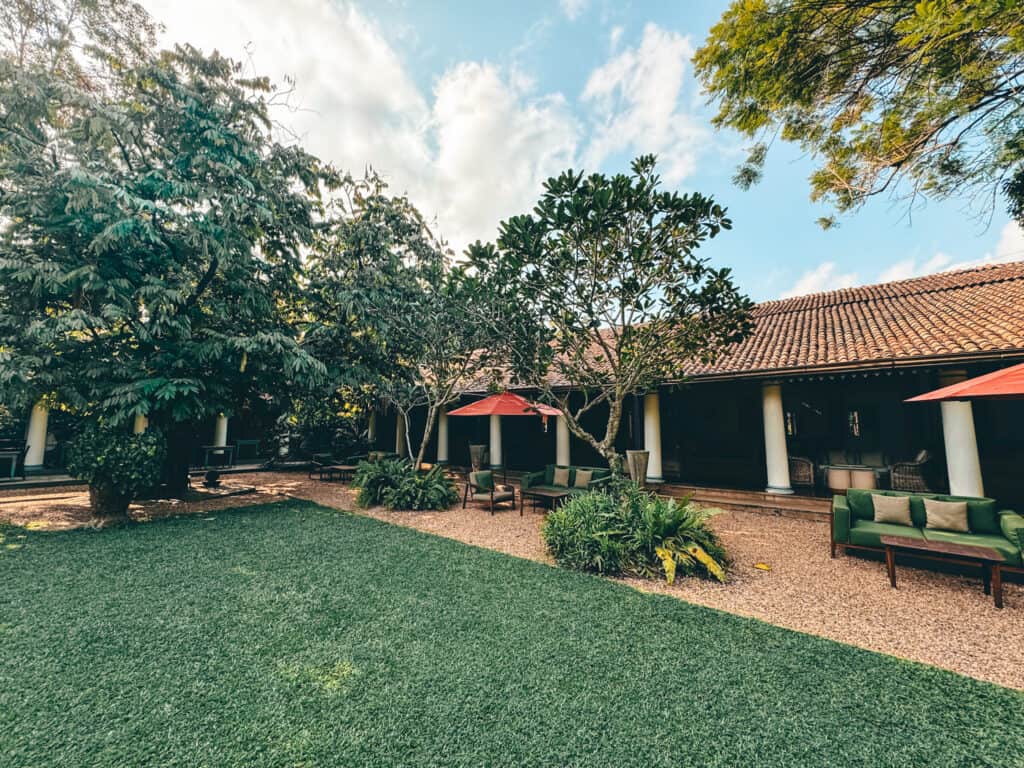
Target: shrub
(629, 531)
(422, 490)
(373, 478)
(116, 465)
(395, 484)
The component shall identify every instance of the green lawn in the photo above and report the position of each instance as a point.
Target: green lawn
(292, 635)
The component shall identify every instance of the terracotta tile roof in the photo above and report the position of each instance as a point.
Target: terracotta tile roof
(970, 313)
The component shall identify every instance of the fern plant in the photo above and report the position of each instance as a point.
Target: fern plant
(374, 478)
(422, 490)
(395, 484)
(630, 531)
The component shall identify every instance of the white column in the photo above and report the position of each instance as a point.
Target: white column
(141, 424)
(442, 437)
(652, 437)
(496, 462)
(371, 429)
(562, 455)
(400, 434)
(35, 438)
(962, 463)
(776, 455)
(220, 432)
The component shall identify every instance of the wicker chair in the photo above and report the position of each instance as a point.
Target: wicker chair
(801, 471)
(909, 475)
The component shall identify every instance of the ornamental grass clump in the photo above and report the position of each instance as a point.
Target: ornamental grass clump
(395, 484)
(627, 531)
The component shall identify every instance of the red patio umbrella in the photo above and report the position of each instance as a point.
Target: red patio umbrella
(506, 404)
(1006, 383)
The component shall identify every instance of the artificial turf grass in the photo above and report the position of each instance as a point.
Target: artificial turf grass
(291, 634)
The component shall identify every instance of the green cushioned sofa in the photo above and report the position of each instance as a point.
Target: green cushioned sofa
(544, 479)
(853, 524)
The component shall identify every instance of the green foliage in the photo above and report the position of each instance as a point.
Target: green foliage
(374, 478)
(114, 459)
(633, 532)
(431, 489)
(601, 290)
(390, 313)
(152, 227)
(880, 92)
(395, 484)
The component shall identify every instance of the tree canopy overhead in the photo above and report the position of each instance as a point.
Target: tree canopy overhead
(604, 294)
(151, 232)
(929, 93)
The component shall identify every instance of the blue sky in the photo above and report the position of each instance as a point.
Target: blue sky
(468, 106)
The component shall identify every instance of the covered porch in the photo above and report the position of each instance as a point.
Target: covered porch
(754, 442)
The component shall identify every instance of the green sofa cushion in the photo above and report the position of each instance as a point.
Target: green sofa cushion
(1002, 545)
(867, 533)
(482, 479)
(859, 501)
(863, 508)
(982, 513)
(597, 473)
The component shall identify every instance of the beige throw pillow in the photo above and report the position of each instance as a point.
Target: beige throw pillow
(582, 478)
(561, 476)
(946, 515)
(891, 509)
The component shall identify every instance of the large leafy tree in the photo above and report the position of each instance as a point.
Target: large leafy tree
(604, 295)
(150, 229)
(395, 320)
(930, 93)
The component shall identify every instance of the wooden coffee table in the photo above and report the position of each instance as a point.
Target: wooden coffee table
(990, 560)
(554, 497)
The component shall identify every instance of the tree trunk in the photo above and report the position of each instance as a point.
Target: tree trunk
(109, 506)
(427, 430)
(174, 476)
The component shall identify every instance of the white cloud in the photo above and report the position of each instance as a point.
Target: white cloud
(1010, 247)
(573, 9)
(614, 37)
(496, 145)
(907, 268)
(1011, 243)
(825, 277)
(474, 151)
(636, 97)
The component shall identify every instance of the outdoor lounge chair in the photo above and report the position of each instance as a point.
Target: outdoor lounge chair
(909, 475)
(480, 487)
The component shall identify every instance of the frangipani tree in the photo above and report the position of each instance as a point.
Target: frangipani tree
(604, 295)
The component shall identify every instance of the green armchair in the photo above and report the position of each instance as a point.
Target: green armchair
(480, 487)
